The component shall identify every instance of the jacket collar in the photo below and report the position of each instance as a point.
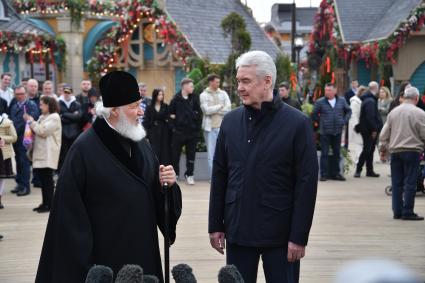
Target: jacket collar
(267, 106)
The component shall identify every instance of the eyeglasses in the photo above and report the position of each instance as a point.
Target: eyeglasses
(19, 93)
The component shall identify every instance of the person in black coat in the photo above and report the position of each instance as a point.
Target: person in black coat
(284, 94)
(352, 91)
(186, 118)
(156, 124)
(370, 124)
(264, 180)
(71, 115)
(109, 201)
(3, 106)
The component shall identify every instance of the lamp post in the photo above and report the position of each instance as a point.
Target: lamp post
(299, 44)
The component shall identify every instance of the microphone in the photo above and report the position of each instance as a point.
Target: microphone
(229, 274)
(100, 274)
(150, 279)
(130, 273)
(182, 273)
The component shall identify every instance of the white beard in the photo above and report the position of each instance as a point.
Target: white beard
(127, 129)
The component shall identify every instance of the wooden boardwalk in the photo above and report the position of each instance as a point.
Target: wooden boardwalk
(353, 220)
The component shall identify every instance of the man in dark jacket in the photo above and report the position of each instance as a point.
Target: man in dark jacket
(264, 181)
(186, 118)
(332, 112)
(284, 94)
(352, 91)
(21, 106)
(109, 203)
(370, 124)
(70, 113)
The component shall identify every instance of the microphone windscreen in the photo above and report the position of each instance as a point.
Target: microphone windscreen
(150, 279)
(100, 274)
(130, 273)
(229, 274)
(182, 273)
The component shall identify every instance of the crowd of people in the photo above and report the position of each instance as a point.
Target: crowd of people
(260, 177)
(56, 120)
(372, 118)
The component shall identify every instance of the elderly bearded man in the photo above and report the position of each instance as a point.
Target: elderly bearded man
(264, 179)
(108, 202)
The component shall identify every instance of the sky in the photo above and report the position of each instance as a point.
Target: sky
(262, 8)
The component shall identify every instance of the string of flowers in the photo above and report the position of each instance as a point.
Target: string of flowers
(326, 35)
(37, 47)
(117, 39)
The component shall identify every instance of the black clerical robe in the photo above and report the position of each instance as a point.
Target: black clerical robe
(107, 207)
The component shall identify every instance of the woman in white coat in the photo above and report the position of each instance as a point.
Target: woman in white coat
(46, 149)
(355, 145)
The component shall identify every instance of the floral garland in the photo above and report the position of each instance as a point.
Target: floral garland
(116, 40)
(36, 47)
(91, 7)
(326, 34)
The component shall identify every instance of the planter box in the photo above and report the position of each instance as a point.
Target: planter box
(201, 167)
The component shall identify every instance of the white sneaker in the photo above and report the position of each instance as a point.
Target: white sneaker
(190, 180)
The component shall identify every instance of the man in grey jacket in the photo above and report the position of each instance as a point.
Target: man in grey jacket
(332, 112)
(403, 136)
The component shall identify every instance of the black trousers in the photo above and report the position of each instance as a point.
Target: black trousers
(276, 267)
(366, 156)
(45, 176)
(189, 141)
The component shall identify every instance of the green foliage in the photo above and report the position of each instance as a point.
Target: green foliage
(234, 26)
(76, 9)
(196, 75)
(283, 68)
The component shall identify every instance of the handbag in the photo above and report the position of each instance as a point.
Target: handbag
(28, 137)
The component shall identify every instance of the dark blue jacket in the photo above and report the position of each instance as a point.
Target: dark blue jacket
(370, 119)
(331, 120)
(264, 180)
(17, 114)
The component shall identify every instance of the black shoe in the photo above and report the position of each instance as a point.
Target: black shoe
(397, 216)
(16, 189)
(412, 216)
(357, 175)
(323, 179)
(1, 237)
(37, 208)
(372, 174)
(339, 178)
(43, 209)
(23, 192)
(1, 206)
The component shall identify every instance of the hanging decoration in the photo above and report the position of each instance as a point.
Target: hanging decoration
(36, 47)
(129, 14)
(326, 36)
(116, 40)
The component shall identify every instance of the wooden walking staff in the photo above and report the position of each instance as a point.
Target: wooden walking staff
(166, 235)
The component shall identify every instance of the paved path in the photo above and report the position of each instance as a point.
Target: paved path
(353, 220)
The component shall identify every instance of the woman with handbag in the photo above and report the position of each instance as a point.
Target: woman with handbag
(45, 151)
(7, 137)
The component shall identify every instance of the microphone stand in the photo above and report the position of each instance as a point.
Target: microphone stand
(166, 235)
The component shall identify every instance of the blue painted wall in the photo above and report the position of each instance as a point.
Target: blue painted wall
(418, 78)
(363, 73)
(94, 35)
(179, 75)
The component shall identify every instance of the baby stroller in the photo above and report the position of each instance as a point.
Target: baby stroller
(420, 180)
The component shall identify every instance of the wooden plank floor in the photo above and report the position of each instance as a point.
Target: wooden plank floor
(353, 220)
